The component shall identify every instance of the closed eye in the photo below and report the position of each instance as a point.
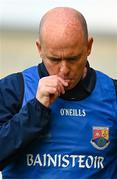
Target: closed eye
(54, 60)
(73, 58)
(70, 58)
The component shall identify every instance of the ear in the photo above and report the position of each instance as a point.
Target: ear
(90, 42)
(38, 45)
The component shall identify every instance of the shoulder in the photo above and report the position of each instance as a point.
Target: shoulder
(12, 89)
(115, 84)
(31, 72)
(31, 76)
(12, 79)
(12, 82)
(106, 83)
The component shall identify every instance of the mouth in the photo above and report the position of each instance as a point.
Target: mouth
(70, 83)
(68, 79)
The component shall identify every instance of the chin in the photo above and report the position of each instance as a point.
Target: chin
(71, 86)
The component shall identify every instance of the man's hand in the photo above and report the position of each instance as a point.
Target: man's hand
(49, 88)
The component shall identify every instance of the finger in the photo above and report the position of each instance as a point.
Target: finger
(52, 90)
(57, 84)
(61, 88)
(64, 82)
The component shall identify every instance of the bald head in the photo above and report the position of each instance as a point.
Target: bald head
(63, 22)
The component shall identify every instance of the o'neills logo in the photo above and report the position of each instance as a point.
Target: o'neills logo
(72, 112)
(64, 161)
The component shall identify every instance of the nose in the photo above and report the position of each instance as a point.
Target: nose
(64, 68)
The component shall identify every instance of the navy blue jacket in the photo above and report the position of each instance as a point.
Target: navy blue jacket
(20, 126)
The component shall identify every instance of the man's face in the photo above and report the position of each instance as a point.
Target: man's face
(66, 59)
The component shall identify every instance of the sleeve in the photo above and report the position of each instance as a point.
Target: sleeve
(18, 127)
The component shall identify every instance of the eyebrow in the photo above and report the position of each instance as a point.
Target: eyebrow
(67, 58)
(73, 57)
(53, 57)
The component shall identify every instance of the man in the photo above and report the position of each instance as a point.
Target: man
(59, 119)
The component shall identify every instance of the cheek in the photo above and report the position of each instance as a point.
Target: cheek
(52, 69)
(78, 70)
